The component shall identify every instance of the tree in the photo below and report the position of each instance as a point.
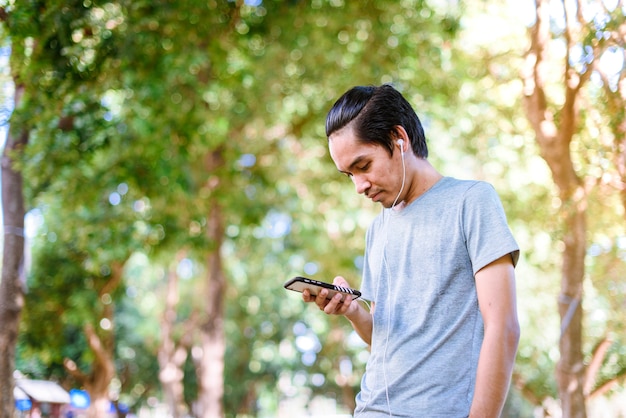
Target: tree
(173, 352)
(198, 129)
(49, 75)
(200, 98)
(11, 284)
(557, 121)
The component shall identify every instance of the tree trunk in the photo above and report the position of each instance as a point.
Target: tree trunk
(11, 291)
(97, 382)
(103, 367)
(211, 367)
(571, 368)
(172, 355)
(554, 144)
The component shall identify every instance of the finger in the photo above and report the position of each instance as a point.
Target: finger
(345, 305)
(340, 281)
(334, 304)
(320, 299)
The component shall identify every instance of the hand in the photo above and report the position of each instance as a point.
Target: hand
(332, 306)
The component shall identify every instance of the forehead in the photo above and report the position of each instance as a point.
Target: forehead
(346, 150)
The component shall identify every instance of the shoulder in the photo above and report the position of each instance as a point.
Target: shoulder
(473, 186)
(472, 190)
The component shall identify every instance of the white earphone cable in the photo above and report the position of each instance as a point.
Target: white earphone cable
(403, 178)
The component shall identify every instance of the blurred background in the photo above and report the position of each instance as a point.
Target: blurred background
(165, 171)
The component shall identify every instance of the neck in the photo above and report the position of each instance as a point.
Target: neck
(421, 176)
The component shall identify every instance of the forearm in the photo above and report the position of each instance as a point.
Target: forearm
(495, 366)
(361, 320)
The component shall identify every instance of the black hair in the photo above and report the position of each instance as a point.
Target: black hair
(374, 113)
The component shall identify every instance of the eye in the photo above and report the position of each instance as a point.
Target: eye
(364, 167)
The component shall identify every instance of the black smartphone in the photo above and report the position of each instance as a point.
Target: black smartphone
(298, 284)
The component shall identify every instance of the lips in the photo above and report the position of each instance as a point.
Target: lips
(373, 196)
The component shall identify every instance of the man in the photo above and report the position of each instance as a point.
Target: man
(438, 270)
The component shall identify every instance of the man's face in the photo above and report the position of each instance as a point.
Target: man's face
(375, 173)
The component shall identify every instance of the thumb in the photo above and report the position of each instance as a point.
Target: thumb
(340, 281)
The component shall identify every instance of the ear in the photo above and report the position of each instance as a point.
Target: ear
(402, 138)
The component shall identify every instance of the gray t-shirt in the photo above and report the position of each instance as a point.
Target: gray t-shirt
(419, 270)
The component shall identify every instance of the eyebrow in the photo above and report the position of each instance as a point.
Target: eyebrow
(355, 162)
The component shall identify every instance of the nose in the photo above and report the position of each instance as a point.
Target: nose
(361, 183)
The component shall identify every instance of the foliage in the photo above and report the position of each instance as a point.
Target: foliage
(128, 98)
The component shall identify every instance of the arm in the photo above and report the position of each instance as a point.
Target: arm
(495, 285)
(358, 316)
